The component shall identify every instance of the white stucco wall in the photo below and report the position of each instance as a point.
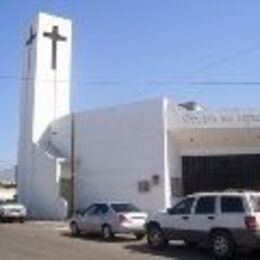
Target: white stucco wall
(115, 149)
(52, 86)
(46, 202)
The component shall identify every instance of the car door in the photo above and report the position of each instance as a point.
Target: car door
(79, 217)
(204, 218)
(87, 223)
(177, 219)
(99, 217)
(232, 210)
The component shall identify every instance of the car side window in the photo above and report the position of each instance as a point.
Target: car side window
(231, 204)
(183, 207)
(102, 209)
(205, 205)
(91, 210)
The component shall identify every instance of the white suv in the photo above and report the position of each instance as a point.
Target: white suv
(223, 221)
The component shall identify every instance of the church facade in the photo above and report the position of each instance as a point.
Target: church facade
(148, 152)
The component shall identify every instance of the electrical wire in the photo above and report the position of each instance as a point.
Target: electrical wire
(149, 82)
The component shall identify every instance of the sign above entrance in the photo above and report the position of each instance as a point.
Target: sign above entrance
(202, 118)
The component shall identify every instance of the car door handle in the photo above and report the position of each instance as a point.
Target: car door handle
(185, 217)
(211, 217)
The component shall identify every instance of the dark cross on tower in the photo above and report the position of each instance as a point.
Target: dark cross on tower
(29, 43)
(55, 37)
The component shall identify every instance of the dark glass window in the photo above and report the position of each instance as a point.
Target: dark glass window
(205, 205)
(211, 173)
(183, 207)
(102, 209)
(91, 209)
(231, 204)
(124, 207)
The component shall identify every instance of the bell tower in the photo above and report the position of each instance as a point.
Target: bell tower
(45, 95)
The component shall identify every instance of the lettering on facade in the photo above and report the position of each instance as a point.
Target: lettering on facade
(205, 119)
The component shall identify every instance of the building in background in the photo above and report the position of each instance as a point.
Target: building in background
(8, 175)
(147, 152)
(8, 189)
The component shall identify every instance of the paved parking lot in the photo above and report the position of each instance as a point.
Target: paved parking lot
(51, 241)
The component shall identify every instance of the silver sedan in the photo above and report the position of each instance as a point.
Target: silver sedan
(109, 219)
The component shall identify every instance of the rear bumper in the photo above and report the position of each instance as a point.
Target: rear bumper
(130, 228)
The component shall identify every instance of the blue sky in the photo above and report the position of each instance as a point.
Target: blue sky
(128, 50)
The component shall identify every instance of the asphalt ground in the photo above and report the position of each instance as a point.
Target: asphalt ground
(52, 241)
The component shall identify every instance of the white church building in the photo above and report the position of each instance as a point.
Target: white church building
(146, 152)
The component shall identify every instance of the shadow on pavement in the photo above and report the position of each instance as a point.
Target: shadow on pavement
(182, 252)
(173, 251)
(98, 238)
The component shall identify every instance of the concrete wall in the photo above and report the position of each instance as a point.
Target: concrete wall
(51, 86)
(115, 149)
(173, 152)
(47, 202)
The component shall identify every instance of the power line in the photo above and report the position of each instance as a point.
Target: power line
(235, 83)
(228, 58)
(88, 82)
(148, 82)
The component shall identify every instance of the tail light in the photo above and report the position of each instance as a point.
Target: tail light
(250, 222)
(122, 218)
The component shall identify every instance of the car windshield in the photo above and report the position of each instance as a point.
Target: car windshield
(255, 201)
(124, 207)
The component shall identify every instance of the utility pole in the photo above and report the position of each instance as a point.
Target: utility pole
(72, 165)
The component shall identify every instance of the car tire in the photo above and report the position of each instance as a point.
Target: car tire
(74, 229)
(222, 245)
(139, 236)
(155, 237)
(107, 233)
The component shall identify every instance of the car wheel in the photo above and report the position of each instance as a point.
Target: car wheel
(156, 237)
(139, 236)
(222, 245)
(107, 233)
(74, 229)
